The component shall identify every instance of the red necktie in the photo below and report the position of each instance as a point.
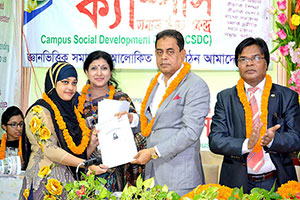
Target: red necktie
(255, 160)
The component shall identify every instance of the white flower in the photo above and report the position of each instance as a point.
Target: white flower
(272, 10)
(295, 55)
(275, 57)
(291, 44)
(273, 35)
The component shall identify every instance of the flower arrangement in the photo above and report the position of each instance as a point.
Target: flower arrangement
(147, 190)
(91, 187)
(287, 35)
(255, 194)
(294, 81)
(209, 192)
(289, 190)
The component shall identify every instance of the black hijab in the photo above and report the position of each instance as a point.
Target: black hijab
(58, 71)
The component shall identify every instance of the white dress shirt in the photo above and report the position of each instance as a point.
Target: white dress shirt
(159, 93)
(268, 164)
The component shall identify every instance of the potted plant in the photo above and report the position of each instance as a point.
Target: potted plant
(147, 190)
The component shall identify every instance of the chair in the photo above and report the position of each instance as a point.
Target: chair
(211, 166)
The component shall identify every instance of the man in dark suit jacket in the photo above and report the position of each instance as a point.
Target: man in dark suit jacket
(277, 133)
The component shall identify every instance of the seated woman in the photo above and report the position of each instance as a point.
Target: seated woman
(56, 134)
(99, 69)
(12, 122)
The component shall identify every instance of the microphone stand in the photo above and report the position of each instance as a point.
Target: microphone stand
(88, 163)
(77, 169)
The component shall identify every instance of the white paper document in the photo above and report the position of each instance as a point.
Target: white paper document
(116, 141)
(107, 108)
(10, 165)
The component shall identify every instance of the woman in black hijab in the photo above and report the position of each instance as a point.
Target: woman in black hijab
(55, 136)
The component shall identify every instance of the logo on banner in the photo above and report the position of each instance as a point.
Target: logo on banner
(32, 8)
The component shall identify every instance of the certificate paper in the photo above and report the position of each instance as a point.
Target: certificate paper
(107, 108)
(116, 141)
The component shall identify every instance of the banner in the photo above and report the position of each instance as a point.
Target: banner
(69, 30)
(9, 73)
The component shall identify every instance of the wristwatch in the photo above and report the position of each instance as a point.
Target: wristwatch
(153, 153)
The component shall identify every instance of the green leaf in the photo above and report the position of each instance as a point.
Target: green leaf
(255, 190)
(149, 183)
(273, 188)
(175, 196)
(139, 181)
(125, 189)
(280, 26)
(102, 194)
(165, 188)
(235, 191)
(275, 196)
(132, 190)
(186, 198)
(198, 196)
(162, 195)
(113, 198)
(274, 49)
(241, 192)
(266, 195)
(101, 180)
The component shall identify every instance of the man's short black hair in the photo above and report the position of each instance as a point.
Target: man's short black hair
(171, 33)
(251, 41)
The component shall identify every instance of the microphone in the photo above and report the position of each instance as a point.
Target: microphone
(88, 162)
(92, 161)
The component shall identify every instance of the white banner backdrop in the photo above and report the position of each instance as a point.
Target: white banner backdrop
(70, 29)
(9, 73)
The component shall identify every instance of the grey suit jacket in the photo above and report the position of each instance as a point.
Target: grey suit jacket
(176, 130)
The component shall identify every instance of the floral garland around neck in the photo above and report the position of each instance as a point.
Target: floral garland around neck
(145, 126)
(62, 126)
(82, 97)
(248, 112)
(3, 146)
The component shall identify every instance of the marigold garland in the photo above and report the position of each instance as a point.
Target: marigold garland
(248, 112)
(288, 189)
(224, 191)
(82, 97)
(62, 126)
(145, 127)
(3, 146)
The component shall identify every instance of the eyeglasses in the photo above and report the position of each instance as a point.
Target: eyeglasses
(15, 124)
(255, 59)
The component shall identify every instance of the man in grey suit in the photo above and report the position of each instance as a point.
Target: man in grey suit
(172, 118)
